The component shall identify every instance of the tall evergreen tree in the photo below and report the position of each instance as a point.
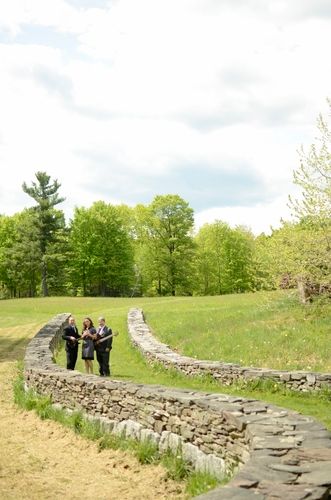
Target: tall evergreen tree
(45, 193)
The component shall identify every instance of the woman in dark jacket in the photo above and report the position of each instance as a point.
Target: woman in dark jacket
(88, 335)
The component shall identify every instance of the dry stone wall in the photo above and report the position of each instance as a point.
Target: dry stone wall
(276, 452)
(225, 373)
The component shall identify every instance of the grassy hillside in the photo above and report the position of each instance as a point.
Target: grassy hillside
(270, 329)
(207, 327)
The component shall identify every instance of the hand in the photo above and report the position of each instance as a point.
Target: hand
(72, 338)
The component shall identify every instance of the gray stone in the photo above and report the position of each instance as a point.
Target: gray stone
(148, 435)
(228, 493)
(311, 378)
(164, 441)
(320, 475)
(175, 443)
(215, 466)
(296, 469)
(191, 453)
(291, 491)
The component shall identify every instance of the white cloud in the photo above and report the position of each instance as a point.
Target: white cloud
(259, 218)
(155, 86)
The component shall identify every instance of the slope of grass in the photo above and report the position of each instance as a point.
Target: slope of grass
(263, 330)
(186, 318)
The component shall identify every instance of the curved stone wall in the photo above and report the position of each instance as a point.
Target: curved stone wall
(278, 452)
(226, 373)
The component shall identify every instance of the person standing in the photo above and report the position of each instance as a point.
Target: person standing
(103, 346)
(88, 336)
(71, 336)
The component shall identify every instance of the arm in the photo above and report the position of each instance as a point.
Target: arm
(107, 337)
(90, 333)
(66, 335)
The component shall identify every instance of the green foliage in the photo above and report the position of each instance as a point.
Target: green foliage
(110, 441)
(314, 208)
(201, 482)
(178, 469)
(29, 400)
(20, 253)
(293, 252)
(146, 451)
(165, 245)
(101, 253)
(150, 250)
(314, 177)
(224, 259)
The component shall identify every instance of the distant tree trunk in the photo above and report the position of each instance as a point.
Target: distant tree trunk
(44, 286)
(159, 287)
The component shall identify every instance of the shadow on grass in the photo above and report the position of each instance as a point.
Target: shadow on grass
(12, 349)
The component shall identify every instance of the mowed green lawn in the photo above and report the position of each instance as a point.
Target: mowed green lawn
(263, 329)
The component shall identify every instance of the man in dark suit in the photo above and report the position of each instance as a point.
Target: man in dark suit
(71, 336)
(103, 346)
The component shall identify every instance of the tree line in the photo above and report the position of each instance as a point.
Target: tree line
(110, 250)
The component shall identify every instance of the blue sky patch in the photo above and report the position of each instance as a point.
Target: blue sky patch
(32, 34)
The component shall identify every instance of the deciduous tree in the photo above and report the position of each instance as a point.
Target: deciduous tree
(313, 210)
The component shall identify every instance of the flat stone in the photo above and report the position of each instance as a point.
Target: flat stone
(229, 493)
(273, 444)
(254, 409)
(244, 483)
(291, 491)
(260, 472)
(310, 454)
(275, 430)
(232, 418)
(298, 375)
(317, 443)
(320, 475)
(295, 469)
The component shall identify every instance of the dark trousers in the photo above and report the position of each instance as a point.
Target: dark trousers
(103, 360)
(71, 358)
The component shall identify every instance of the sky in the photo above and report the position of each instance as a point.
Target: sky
(123, 100)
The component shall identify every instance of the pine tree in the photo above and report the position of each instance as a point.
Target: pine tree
(45, 193)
